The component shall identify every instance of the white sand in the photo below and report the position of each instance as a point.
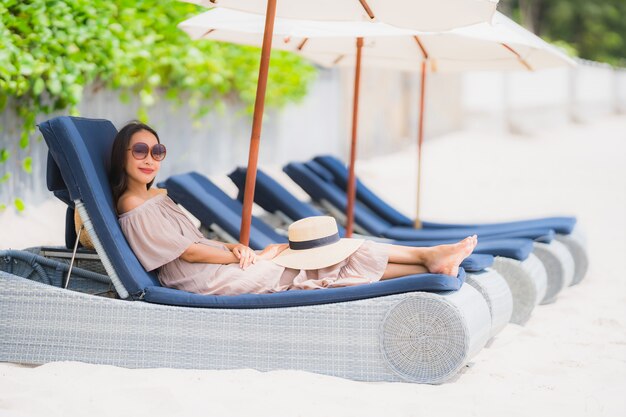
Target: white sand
(569, 359)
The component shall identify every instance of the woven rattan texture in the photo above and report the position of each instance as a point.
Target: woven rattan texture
(494, 289)
(527, 282)
(559, 265)
(576, 243)
(40, 323)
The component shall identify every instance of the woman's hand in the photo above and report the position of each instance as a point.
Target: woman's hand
(272, 251)
(245, 255)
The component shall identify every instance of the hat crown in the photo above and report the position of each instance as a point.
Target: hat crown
(311, 228)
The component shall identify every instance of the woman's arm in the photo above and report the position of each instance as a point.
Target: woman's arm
(202, 253)
(237, 253)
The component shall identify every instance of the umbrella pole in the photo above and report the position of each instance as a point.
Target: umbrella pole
(355, 119)
(257, 121)
(420, 140)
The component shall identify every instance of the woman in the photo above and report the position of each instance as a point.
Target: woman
(164, 239)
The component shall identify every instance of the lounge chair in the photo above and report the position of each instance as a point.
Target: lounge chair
(370, 329)
(523, 271)
(567, 230)
(555, 257)
(219, 212)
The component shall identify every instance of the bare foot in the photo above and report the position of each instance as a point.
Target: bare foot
(445, 259)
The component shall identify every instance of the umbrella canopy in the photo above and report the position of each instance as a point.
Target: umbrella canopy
(414, 14)
(503, 45)
(500, 46)
(395, 11)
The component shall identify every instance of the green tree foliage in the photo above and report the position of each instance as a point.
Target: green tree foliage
(596, 29)
(51, 50)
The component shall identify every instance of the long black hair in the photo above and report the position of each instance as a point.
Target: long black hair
(117, 175)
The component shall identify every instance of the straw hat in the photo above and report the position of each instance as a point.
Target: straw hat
(314, 243)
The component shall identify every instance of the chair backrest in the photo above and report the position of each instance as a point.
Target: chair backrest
(320, 189)
(54, 182)
(78, 169)
(209, 204)
(366, 196)
(272, 196)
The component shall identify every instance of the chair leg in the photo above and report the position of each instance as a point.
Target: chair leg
(66, 281)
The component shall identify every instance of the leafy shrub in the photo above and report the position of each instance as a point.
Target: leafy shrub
(52, 49)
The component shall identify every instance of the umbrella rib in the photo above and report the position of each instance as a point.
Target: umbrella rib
(208, 32)
(302, 44)
(367, 9)
(519, 57)
(419, 43)
(339, 58)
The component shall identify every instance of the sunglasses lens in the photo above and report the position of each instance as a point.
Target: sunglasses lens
(140, 150)
(158, 152)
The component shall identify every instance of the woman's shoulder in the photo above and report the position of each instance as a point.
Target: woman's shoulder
(129, 202)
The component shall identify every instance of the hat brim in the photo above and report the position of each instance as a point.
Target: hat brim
(317, 258)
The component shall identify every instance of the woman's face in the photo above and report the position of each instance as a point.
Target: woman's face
(142, 170)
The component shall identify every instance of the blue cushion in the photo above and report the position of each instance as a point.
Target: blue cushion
(320, 190)
(55, 183)
(477, 262)
(272, 196)
(562, 225)
(339, 172)
(517, 249)
(324, 174)
(209, 204)
(294, 298)
(81, 150)
(453, 234)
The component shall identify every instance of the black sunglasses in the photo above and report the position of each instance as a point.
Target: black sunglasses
(141, 150)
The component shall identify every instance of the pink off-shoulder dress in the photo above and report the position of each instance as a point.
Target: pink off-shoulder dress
(159, 232)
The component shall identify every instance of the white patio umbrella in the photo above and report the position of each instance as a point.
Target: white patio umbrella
(502, 46)
(424, 14)
(428, 15)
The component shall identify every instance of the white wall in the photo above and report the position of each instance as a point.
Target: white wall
(526, 102)
(620, 90)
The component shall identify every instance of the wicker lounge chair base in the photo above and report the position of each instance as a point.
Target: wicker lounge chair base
(559, 265)
(576, 243)
(362, 333)
(527, 281)
(417, 337)
(496, 292)
(32, 265)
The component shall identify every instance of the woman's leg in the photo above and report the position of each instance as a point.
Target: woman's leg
(400, 270)
(442, 259)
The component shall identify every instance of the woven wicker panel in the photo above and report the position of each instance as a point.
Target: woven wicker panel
(41, 323)
(53, 272)
(527, 282)
(496, 292)
(576, 244)
(559, 265)
(424, 339)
